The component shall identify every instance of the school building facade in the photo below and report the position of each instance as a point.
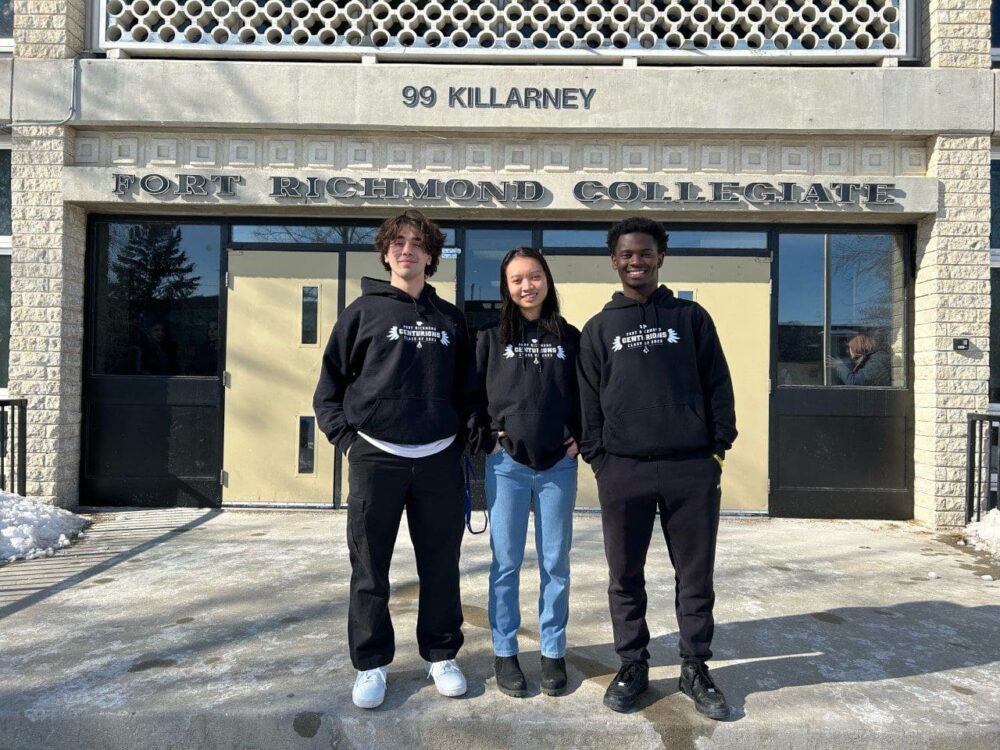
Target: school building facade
(194, 187)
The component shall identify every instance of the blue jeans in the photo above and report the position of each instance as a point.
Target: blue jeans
(509, 489)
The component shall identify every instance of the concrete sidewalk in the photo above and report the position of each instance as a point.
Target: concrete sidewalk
(207, 629)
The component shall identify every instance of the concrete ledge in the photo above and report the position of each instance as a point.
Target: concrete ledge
(227, 94)
(182, 628)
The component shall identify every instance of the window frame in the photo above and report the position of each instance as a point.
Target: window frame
(905, 239)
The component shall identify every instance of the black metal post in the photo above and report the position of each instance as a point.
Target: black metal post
(22, 446)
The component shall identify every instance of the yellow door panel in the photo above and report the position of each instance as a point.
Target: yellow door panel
(736, 292)
(272, 375)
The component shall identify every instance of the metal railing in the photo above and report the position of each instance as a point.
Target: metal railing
(981, 462)
(13, 444)
(493, 30)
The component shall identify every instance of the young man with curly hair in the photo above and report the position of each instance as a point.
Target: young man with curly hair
(392, 395)
(658, 417)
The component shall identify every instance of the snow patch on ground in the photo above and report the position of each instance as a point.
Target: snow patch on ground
(31, 529)
(984, 535)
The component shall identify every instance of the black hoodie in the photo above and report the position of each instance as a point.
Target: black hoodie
(395, 368)
(654, 382)
(527, 388)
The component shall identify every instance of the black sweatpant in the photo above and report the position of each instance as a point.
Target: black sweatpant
(431, 491)
(687, 494)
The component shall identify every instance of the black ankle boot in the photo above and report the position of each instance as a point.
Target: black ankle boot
(696, 683)
(510, 678)
(553, 675)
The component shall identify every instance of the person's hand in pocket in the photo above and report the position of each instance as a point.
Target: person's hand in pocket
(496, 446)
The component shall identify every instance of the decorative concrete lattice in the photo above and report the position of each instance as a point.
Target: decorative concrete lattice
(727, 28)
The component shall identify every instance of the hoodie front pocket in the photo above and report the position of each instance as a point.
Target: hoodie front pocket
(656, 429)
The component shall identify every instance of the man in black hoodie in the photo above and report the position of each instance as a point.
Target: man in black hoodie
(658, 417)
(392, 395)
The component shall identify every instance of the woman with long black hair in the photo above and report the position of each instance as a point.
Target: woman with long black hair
(527, 421)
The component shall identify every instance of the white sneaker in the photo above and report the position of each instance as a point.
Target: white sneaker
(448, 678)
(369, 688)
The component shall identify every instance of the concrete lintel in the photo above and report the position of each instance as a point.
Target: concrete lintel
(344, 96)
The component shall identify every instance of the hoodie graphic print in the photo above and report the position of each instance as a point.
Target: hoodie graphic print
(396, 368)
(654, 381)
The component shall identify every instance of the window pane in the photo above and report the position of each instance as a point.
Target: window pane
(484, 249)
(157, 301)
(994, 203)
(307, 445)
(281, 233)
(4, 319)
(316, 235)
(6, 19)
(994, 335)
(310, 314)
(866, 310)
(689, 295)
(5, 192)
(800, 309)
(575, 238)
(702, 240)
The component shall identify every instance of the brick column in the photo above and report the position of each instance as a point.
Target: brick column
(47, 311)
(952, 298)
(49, 240)
(956, 33)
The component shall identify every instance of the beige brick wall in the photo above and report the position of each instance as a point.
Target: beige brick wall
(956, 33)
(49, 28)
(47, 311)
(951, 298)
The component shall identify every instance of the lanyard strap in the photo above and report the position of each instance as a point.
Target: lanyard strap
(470, 476)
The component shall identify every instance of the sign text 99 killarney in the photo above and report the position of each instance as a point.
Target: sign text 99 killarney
(483, 97)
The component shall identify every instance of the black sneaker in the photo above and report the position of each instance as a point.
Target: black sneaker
(631, 681)
(553, 676)
(510, 678)
(708, 699)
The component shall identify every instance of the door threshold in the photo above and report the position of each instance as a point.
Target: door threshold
(278, 506)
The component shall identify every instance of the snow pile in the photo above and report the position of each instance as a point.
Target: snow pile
(985, 535)
(30, 529)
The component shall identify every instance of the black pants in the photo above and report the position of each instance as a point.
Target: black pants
(430, 489)
(687, 494)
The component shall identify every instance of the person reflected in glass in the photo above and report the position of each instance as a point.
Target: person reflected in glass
(868, 365)
(527, 420)
(206, 356)
(158, 354)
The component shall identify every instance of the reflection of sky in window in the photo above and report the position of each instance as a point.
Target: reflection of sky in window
(5, 191)
(485, 248)
(316, 234)
(200, 242)
(697, 240)
(800, 279)
(861, 269)
(6, 18)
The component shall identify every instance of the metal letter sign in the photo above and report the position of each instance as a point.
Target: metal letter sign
(588, 193)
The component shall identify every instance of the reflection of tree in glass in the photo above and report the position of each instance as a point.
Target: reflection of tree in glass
(861, 267)
(151, 265)
(342, 235)
(148, 270)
